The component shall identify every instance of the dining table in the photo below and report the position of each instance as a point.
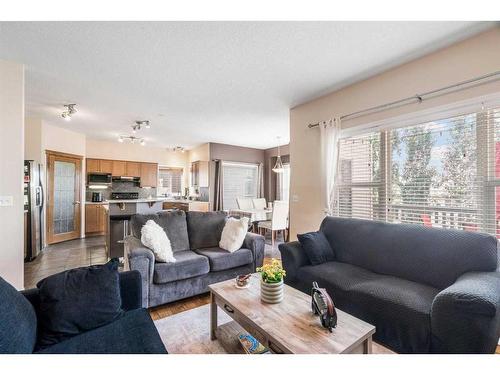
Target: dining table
(255, 215)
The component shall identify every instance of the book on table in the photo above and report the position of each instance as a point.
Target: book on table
(251, 345)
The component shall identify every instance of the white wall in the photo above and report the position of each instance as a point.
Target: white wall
(468, 59)
(11, 172)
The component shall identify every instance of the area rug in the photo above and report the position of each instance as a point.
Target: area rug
(188, 332)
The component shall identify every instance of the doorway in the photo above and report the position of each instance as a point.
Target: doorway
(64, 193)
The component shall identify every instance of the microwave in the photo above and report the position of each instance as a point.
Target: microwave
(99, 179)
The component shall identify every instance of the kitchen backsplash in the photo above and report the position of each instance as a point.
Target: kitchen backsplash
(121, 186)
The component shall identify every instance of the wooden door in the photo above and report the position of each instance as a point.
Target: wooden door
(106, 166)
(149, 175)
(64, 199)
(119, 168)
(93, 166)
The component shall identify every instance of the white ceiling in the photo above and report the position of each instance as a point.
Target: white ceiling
(227, 82)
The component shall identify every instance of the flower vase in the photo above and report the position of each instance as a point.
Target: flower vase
(271, 292)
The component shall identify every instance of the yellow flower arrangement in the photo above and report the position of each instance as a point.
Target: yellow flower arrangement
(272, 272)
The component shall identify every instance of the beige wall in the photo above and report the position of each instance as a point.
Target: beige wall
(33, 139)
(11, 172)
(465, 60)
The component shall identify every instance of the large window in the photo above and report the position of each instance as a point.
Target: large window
(443, 173)
(240, 181)
(170, 181)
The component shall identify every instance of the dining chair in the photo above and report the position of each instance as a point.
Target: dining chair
(244, 203)
(259, 203)
(278, 222)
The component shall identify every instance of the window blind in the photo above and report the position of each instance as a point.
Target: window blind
(170, 181)
(443, 173)
(240, 181)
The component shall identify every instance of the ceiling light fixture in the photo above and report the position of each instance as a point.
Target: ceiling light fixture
(139, 124)
(132, 139)
(179, 149)
(278, 166)
(70, 110)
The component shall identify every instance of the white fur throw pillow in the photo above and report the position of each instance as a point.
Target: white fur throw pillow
(154, 237)
(233, 234)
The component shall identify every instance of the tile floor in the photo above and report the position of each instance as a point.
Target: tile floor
(64, 256)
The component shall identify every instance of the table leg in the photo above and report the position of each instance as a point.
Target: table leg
(213, 317)
(367, 346)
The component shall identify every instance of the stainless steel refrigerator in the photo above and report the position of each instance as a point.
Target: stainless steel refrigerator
(33, 209)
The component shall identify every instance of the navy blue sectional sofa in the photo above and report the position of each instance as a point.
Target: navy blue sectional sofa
(133, 333)
(425, 290)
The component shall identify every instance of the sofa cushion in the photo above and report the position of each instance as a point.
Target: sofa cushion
(18, 323)
(173, 223)
(338, 278)
(317, 247)
(205, 228)
(134, 333)
(436, 257)
(400, 309)
(78, 300)
(220, 259)
(188, 264)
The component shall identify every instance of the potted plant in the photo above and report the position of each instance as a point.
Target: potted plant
(271, 282)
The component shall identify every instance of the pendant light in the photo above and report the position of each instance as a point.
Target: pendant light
(278, 166)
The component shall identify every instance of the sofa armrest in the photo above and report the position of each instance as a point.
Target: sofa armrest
(33, 296)
(292, 257)
(140, 258)
(256, 243)
(131, 290)
(465, 317)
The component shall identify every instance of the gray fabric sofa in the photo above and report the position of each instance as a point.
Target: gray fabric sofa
(199, 262)
(425, 290)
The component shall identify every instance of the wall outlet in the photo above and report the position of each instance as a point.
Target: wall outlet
(6, 201)
(295, 198)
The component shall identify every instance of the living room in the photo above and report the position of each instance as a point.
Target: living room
(250, 187)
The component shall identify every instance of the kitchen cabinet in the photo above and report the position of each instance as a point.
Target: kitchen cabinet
(95, 219)
(119, 168)
(93, 166)
(149, 174)
(187, 206)
(132, 169)
(106, 166)
(199, 173)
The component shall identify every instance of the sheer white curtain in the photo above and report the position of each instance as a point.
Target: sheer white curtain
(330, 133)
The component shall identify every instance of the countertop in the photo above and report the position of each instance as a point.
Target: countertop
(147, 200)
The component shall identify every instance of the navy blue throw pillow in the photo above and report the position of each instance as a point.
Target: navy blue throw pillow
(317, 247)
(78, 300)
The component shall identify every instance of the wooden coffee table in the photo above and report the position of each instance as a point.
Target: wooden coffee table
(286, 327)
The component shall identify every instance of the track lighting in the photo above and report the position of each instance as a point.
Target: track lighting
(139, 124)
(179, 149)
(70, 110)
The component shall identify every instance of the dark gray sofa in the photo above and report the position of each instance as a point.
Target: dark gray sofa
(425, 290)
(133, 333)
(199, 262)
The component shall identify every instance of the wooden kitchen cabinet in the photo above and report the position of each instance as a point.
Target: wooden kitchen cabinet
(132, 169)
(93, 166)
(149, 174)
(95, 219)
(119, 168)
(106, 166)
(187, 206)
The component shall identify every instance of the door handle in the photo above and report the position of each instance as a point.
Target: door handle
(76, 202)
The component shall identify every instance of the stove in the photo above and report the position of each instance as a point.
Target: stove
(124, 196)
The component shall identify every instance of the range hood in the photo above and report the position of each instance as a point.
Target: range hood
(135, 180)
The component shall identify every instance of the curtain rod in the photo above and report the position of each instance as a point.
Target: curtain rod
(419, 98)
